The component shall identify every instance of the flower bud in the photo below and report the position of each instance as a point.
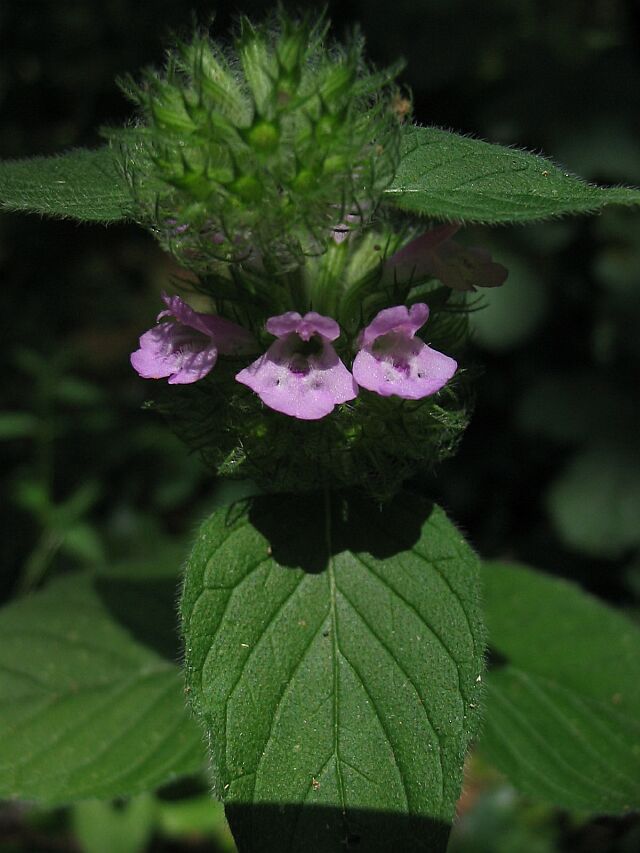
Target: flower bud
(267, 143)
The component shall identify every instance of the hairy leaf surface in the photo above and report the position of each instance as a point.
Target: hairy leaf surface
(333, 655)
(81, 184)
(447, 176)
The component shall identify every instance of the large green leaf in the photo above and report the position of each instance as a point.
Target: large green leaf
(447, 176)
(86, 710)
(562, 716)
(82, 184)
(333, 655)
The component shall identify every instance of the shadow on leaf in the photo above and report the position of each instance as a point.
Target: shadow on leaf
(147, 609)
(267, 828)
(302, 537)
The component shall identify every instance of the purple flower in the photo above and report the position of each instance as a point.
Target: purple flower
(393, 361)
(435, 254)
(300, 374)
(186, 348)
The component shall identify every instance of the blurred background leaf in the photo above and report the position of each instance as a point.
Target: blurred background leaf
(563, 699)
(91, 707)
(102, 827)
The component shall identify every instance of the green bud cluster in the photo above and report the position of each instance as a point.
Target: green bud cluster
(257, 151)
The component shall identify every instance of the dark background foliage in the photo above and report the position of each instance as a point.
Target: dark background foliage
(547, 472)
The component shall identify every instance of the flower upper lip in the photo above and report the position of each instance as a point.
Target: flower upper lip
(297, 379)
(185, 348)
(392, 361)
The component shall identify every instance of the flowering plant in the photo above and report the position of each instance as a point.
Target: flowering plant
(316, 348)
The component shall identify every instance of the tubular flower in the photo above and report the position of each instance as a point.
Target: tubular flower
(435, 254)
(393, 361)
(300, 374)
(186, 348)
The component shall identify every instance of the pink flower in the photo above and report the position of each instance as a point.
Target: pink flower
(186, 348)
(342, 231)
(300, 374)
(436, 254)
(393, 361)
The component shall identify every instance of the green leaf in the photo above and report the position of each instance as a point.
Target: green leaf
(562, 715)
(333, 656)
(102, 827)
(453, 177)
(86, 710)
(83, 542)
(199, 816)
(17, 425)
(84, 185)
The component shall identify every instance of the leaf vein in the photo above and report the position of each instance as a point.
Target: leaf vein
(383, 726)
(413, 684)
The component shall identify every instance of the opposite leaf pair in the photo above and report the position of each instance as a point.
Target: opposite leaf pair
(300, 374)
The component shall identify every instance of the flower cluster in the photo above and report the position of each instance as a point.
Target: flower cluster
(259, 149)
(300, 374)
(337, 346)
(262, 168)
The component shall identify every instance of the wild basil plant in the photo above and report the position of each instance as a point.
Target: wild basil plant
(335, 623)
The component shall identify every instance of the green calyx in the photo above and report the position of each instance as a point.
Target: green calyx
(374, 443)
(277, 140)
